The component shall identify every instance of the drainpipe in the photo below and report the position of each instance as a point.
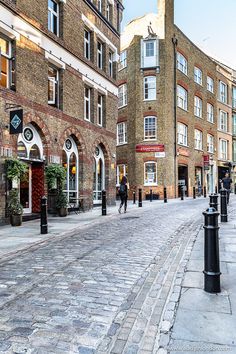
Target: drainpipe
(175, 42)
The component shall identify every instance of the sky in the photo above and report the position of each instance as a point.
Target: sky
(207, 23)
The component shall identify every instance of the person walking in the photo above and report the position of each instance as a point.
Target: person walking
(226, 184)
(123, 192)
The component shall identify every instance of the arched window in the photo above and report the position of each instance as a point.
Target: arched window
(70, 161)
(98, 175)
(29, 144)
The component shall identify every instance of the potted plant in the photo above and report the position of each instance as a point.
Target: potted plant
(15, 208)
(15, 171)
(62, 203)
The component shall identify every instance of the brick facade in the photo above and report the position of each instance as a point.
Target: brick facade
(183, 163)
(35, 49)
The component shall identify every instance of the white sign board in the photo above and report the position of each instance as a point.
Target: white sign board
(160, 154)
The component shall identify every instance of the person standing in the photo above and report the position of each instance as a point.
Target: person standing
(123, 192)
(226, 184)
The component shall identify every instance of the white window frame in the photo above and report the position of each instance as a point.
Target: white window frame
(100, 110)
(100, 5)
(234, 97)
(51, 14)
(110, 64)
(210, 112)
(182, 97)
(149, 88)
(87, 99)
(223, 152)
(87, 44)
(182, 134)
(210, 143)
(234, 124)
(197, 75)
(223, 92)
(198, 139)
(122, 133)
(197, 106)
(100, 55)
(108, 11)
(123, 60)
(223, 120)
(55, 83)
(122, 95)
(8, 57)
(149, 127)
(182, 63)
(210, 84)
(154, 183)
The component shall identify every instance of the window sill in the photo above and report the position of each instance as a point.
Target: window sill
(154, 139)
(200, 150)
(182, 109)
(87, 120)
(198, 83)
(119, 70)
(125, 105)
(210, 121)
(148, 100)
(150, 184)
(121, 144)
(210, 91)
(185, 146)
(197, 117)
(183, 72)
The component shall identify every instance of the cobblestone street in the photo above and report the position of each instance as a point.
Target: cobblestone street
(102, 290)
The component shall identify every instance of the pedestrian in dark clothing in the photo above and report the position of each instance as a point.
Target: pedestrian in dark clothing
(226, 184)
(123, 192)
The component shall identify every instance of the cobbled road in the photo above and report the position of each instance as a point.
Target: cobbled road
(102, 290)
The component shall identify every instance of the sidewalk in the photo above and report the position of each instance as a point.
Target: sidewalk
(14, 239)
(206, 323)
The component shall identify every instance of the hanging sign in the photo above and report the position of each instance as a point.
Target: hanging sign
(16, 121)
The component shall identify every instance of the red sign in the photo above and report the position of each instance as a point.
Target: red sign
(150, 148)
(206, 160)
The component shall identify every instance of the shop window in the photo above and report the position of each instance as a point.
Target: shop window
(150, 173)
(70, 161)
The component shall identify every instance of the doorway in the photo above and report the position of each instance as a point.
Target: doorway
(182, 180)
(26, 191)
(98, 175)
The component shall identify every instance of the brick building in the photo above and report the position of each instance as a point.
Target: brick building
(168, 129)
(59, 64)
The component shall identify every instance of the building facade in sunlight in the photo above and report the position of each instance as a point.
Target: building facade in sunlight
(58, 73)
(174, 126)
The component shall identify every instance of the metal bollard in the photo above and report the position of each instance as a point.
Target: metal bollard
(165, 195)
(44, 216)
(104, 203)
(216, 190)
(223, 205)
(205, 191)
(151, 195)
(182, 193)
(234, 188)
(214, 201)
(134, 198)
(140, 203)
(211, 252)
(194, 193)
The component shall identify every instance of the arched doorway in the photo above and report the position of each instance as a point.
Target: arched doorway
(70, 161)
(30, 149)
(98, 175)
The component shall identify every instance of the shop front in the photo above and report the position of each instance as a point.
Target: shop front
(182, 180)
(30, 150)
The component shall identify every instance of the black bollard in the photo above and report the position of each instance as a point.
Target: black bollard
(140, 203)
(182, 193)
(134, 198)
(214, 201)
(194, 193)
(234, 188)
(165, 195)
(104, 203)
(44, 216)
(216, 190)
(211, 252)
(205, 191)
(151, 195)
(223, 205)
